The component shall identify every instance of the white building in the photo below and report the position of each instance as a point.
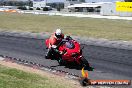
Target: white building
(108, 9)
(39, 3)
(86, 7)
(72, 2)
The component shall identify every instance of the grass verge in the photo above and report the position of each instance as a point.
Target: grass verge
(13, 78)
(90, 27)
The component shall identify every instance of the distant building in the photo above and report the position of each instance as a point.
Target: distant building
(72, 2)
(39, 3)
(86, 7)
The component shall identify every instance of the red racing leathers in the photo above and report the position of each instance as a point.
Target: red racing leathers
(53, 40)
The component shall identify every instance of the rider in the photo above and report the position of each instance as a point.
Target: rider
(54, 40)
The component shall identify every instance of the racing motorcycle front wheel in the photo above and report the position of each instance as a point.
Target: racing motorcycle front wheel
(85, 64)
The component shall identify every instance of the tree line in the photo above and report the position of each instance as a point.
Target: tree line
(16, 3)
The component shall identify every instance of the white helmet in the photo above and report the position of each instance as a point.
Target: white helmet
(58, 32)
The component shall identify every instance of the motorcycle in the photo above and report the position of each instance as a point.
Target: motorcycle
(72, 52)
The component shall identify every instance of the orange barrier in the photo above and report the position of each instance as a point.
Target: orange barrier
(10, 11)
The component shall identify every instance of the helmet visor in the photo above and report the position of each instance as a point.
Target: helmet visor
(58, 36)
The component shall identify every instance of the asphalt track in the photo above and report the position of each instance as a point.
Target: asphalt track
(109, 63)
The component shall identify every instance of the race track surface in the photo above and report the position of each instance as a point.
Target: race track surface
(109, 63)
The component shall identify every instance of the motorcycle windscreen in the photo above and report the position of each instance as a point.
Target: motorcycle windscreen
(69, 45)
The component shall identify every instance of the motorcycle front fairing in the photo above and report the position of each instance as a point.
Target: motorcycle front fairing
(73, 52)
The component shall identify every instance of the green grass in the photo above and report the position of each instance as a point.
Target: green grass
(90, 27)
(13, 78)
